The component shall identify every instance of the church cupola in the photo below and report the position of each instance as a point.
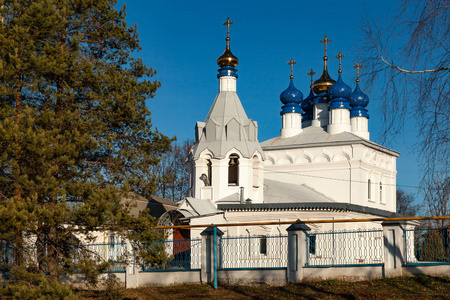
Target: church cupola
(339, 94)
(359, 115)
(320, 87)
(307, 104)
(227, 61)
(291, 112)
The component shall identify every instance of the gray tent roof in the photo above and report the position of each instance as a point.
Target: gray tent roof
(225, 108)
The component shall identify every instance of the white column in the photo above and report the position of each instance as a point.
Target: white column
(292, 124)
(360, 127)
(227, 84)
(339, 121)
(320, 115)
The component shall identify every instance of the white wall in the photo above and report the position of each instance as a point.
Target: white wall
(339, 172)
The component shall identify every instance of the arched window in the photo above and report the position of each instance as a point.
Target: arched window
(368, 189)
(381, 192)
(255, 171)
(233, 170)
(209, 170)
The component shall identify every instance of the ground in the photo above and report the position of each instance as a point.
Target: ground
(423, 287)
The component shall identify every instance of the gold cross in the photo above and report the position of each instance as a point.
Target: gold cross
(228, 23)
(357, 67)
(311, 73)
(292, 63)
(325, 41)
(340, 56)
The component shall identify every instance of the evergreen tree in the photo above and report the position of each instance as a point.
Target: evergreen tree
(75, 134)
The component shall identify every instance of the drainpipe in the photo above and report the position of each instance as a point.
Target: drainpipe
(241, 198)
(215, 255)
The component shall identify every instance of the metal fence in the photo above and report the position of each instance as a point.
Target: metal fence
(114, 253)
(427, 246)
(345, 248)
(253, 252)
(6, 257)
(182, 255)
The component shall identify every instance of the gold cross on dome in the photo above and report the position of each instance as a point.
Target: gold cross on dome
(357, 67)
(292, 62)
(311, 73)
(325, 41)
(228, 23)
(340, 56)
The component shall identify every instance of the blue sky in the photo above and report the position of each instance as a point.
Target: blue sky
(182, 40)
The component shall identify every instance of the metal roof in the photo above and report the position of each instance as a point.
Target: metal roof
(328, 206)
(202, 206)
(281, 192)
(317, 137)
(225, 108)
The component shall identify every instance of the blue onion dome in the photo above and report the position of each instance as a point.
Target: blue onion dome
(358, 98)
(321, 98)
(339, 94)
(358, 102)
(307, 106)
(291, 94)
(292, 100)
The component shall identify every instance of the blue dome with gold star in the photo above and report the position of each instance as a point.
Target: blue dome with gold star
(307, 106)
(292, 99)
(358, 102)
(339, 93)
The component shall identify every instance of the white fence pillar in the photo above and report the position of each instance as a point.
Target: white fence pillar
(132, 269)
(394, 247)
(297, 251)
(207, 256)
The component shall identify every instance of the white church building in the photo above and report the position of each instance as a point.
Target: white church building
(322, 166)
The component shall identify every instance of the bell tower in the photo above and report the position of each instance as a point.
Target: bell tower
(226, 159)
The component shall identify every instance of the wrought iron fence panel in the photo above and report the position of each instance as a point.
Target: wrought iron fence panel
(427, 246)
(253, 252)
(182, 255)
(345, 248)
(114, 253)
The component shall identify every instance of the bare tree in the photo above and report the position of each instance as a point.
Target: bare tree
(172, 173)
(405, 204)
(407, 59)
(437, 196)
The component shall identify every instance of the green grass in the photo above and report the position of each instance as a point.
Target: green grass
(421, 287)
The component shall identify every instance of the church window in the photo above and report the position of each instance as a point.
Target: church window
(113, 240)
(209, 168)
(381, 192)
(233, 170)
(368, 189)
(255, 171)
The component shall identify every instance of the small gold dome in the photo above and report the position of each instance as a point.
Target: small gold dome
(322, 84)
(227, 59)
